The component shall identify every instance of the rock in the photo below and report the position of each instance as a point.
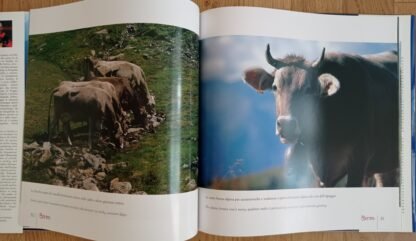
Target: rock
(31, 146)
(120, 187)
(128, 47)
(58, 150)
(155, 124)
(60, 171)
(94, 161)
(134, 130)
(153, 119)
(122, 164)
(112, 145)
(73, 175)
(191, 185)
(59, 162)
(140, 193)
(81, 164)
(90, 184)
(36, 152)
(46, 149)
(57, 182)
(102, 32)
(51, 173)
(89, 172)
(100, 176)
(187, 179)
(109, 167)
(116, 57)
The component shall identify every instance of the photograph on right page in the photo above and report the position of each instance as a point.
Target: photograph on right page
(280, 113)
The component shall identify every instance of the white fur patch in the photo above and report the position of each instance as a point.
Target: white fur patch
(329, 84)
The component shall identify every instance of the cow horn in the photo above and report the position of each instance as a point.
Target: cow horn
(318, 63)
(273, 62)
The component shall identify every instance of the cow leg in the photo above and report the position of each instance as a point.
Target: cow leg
(90, 123)
(119, 135)
(365, 182)
(379, 180)
(52, 127)
(356, 173)
(386, 179)
(67, 132)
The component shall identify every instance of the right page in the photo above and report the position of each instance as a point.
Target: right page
(305, 122)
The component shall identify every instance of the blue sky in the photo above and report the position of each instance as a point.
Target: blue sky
(237, 123)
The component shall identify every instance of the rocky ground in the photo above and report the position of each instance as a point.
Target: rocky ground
(83, 168)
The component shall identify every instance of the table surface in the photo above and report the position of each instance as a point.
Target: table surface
(322, 6)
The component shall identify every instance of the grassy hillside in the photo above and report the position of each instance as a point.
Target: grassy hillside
(169, 58)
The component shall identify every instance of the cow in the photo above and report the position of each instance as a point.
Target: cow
(91, 102)
(129, 99)
(340, 112)
(66, 85)
(119, 68)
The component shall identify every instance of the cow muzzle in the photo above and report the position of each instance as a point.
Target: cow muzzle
(288, 129)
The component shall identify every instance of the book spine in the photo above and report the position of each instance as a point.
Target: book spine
(413, 120)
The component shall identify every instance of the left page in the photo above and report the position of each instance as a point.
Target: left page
(13, 36)
(111, 120)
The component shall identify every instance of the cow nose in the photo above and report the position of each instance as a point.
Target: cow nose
(286, 125)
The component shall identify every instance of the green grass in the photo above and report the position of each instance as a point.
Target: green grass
(168, 55)
(43, 78)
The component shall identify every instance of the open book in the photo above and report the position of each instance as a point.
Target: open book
(144, 119)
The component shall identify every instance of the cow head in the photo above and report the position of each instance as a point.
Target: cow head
(89, 68)
(298, 87)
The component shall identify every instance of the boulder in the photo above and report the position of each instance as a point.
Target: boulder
(102, 32)
(90, 184)
(191, 185)
(60, 171)
(46, 152)
(94, 161)
(100, 176)
(120, 187)
(31, 146)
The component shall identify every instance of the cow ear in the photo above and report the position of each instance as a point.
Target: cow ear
(329, 84)
(259, 79)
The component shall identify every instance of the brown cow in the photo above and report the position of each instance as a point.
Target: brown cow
(77, 103)
(101, 68)
(128, 98)
(340, 114)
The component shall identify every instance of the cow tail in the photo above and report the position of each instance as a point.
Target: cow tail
(144, 83)
(49, 114)
(143, 74)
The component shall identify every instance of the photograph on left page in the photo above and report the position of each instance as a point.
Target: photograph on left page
(113, 109)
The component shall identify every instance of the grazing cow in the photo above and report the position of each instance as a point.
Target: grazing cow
(129, 99)
(67, 85)
(340, 112)
(101, 68)
(75, 102)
